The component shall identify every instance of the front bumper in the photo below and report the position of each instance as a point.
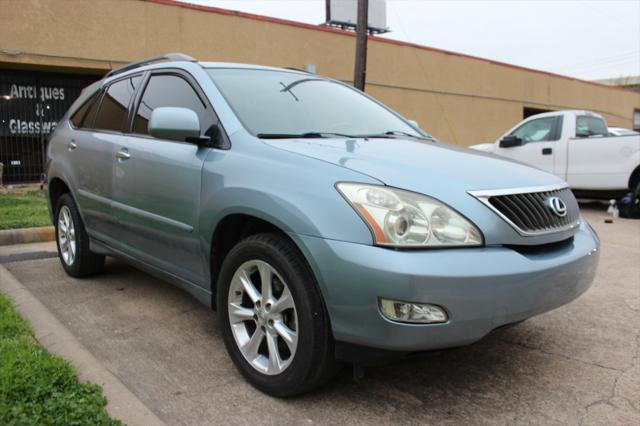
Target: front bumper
(480, 288)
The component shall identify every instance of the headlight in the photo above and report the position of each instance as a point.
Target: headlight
(400, 218)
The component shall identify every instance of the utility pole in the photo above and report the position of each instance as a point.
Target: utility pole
(362, 30)
(327, 11)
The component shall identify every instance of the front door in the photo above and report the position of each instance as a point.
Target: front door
(538, 138)
(157, 184)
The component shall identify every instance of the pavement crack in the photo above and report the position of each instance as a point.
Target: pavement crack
(613, 393)
(567, 357)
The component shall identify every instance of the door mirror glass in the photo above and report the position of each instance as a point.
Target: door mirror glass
(174, 123)
(510, 141)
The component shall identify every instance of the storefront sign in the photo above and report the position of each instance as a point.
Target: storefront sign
(31, 105)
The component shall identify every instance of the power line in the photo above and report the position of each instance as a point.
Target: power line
(605, 59)
(608, 65)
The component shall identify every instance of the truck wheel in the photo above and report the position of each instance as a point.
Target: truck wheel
(73, 242)
(274, 323)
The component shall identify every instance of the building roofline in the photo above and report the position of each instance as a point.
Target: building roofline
(290, 23)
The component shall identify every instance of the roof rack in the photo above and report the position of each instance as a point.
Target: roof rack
(171, 57)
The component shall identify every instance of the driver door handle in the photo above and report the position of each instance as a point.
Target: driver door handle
(547, 151)
(123, 154)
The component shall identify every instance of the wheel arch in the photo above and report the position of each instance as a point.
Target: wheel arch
(634, 178)
(234, 227)
(56, 188)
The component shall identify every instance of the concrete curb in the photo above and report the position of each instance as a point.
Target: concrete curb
(27, 235)
(52, 334)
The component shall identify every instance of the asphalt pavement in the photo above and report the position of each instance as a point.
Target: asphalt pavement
(579, 364)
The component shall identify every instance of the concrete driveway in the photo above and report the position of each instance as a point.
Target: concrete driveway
(579, 364)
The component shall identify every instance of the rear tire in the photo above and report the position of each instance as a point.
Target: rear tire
(278, 334)
(73, 242)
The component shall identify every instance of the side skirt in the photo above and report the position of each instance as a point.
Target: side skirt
(203, 296)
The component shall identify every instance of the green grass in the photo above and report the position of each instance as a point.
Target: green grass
(25, 210)
(39, 388)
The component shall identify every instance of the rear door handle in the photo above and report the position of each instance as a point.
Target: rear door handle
(547, 151)
(72, 145)
(123, 154)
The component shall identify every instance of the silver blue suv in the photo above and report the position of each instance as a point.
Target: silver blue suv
(322, 226)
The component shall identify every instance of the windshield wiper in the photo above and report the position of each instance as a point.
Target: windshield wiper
(307, 135)
(391, 134)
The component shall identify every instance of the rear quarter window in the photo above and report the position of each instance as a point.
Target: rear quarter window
(588, 125)
(83, 115)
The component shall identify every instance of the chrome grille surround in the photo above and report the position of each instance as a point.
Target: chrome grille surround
(527, 211)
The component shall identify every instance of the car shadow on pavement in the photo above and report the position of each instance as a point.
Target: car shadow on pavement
(554, 368)
(490, 376)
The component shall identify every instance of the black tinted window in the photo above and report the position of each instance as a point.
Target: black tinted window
(78, 118)
(93, 111)
(113, 109)
(170, 91)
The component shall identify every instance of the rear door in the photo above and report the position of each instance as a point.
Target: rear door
(539, 137)
(92, 149)
(157, 182)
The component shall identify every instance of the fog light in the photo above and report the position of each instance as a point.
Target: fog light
(421, 313)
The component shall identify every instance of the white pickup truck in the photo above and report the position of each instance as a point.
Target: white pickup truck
(576, 146)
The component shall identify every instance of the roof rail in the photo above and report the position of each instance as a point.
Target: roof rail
(171, 57)
(296, 69)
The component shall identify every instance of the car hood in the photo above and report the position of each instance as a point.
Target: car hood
(441, 171)
(427, 167)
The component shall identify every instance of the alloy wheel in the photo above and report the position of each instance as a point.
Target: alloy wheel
(263, 318)
(66, 236)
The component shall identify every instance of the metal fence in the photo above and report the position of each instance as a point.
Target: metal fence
(31, 104)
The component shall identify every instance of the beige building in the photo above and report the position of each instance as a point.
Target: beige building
(458, 98)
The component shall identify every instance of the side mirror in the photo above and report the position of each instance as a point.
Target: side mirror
(510, 141)
(414, 124)
(584, 133)
(174, 123)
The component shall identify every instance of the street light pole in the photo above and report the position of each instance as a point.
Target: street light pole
(362, 29)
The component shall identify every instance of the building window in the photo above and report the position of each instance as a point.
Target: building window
(529, 111)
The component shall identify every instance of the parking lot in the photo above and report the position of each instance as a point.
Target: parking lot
(579, 364)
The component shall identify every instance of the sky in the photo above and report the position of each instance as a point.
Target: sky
(587, 39)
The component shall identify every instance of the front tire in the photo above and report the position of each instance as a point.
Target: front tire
(274, 323)
(73, 242)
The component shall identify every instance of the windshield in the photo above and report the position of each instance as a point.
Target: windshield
(279, 103)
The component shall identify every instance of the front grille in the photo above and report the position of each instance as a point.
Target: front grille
(530, 211)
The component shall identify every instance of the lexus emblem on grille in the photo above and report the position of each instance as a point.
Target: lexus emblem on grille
(557, 206)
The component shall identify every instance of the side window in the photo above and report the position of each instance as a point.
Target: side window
(79, 117)
(90, 118)
(540, 130)
(115, 103)
(170, 91)
(588, 125)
